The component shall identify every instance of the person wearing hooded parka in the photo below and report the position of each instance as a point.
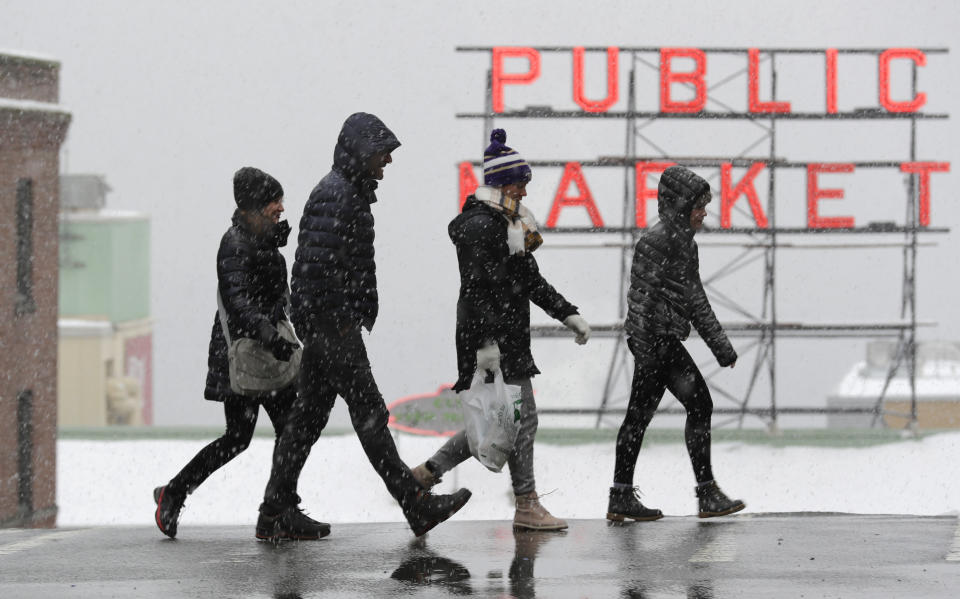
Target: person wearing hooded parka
(334, 291)
(252, 284)
(495, 237)
(666, 295)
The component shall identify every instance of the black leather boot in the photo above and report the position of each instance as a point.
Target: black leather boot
(282, 523)
(713, 502)
(625, 503)
(427, 510)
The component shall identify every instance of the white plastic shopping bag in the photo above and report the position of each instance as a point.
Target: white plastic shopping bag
(491, 415)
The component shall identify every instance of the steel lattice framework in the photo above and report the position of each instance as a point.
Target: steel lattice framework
(760, 331)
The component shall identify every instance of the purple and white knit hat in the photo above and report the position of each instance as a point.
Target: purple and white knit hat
(502, 165)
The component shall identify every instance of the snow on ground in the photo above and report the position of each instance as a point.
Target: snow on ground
(110, 482)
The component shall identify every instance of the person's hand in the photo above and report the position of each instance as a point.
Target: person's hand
(488, 357)
(281, 348)
(578, 325)
(730, 359)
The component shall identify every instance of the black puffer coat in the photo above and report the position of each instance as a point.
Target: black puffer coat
(252, 281)
(666, 293)
(334, 274)
(495, 294)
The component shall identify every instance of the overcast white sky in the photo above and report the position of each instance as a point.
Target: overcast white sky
(169, 101)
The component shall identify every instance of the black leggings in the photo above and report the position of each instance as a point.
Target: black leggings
(241, 415)
(665, 364)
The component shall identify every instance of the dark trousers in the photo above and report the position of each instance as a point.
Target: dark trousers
(336, 365)
(665, 364)
(241, 416)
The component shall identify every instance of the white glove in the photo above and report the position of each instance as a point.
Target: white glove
(488, 357)
(578, 325)
(515, 236)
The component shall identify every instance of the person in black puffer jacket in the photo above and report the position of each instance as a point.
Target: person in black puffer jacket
(665, 296)
(335, 295)
(495, 237)
(252, 282)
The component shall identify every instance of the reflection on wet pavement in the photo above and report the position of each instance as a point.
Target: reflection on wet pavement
(744, 556)
(423, 566)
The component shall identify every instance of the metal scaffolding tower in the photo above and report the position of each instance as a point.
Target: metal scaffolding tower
(760, 331)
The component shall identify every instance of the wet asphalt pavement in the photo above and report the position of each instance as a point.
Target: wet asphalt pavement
(751, 555)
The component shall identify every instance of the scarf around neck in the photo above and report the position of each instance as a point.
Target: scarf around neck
(512, 210)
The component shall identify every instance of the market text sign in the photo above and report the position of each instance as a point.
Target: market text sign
(573, 191)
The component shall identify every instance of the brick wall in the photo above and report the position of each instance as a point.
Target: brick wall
(29, 174)
(25, 78)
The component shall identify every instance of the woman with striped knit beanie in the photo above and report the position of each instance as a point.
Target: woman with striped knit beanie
(505, 178)
(495, 237)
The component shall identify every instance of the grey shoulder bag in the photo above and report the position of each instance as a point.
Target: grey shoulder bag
(253, 369)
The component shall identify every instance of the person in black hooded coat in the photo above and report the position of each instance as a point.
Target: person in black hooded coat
(335, 295)
(665, 296)
(252, 282)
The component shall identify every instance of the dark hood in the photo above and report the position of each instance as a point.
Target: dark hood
(362, 136)
(676, 195)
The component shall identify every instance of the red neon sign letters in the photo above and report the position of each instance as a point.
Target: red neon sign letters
(884, 76)
(613, 55)
(730, 192)
(686, 68)
(695, 78)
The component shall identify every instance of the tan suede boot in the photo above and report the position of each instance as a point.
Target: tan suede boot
(533, 516)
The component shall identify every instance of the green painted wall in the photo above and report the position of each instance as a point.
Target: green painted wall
(105, 267)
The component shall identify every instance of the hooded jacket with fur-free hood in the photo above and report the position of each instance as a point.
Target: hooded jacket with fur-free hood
(666, 294)
(334, 276)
